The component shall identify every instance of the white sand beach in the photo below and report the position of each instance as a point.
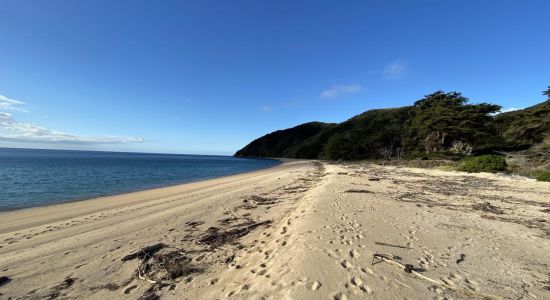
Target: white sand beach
(301, 230)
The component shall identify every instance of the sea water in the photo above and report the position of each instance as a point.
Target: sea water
(30, 177)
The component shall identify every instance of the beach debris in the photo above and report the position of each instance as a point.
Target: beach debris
(56, 290)
(359, 191)
(409, 268)
(253, 201)
(4, 280)
(192, 225)
(374, 179)
(392, 259)
(176, 264)
(108, 286)
(228, 221)
(461, 259)
(216, 237)
(139, 271)
(150, 294)
(260, 200)
(161, 268)
(379, 257)
(148, 250)
(392, 245)
(488, 207)
(229, 259)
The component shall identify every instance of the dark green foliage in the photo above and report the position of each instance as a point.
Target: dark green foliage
(278, 143)
(523, 128)
(441, 119)
(544, 176)
(364, 136)
(439, 126)
(483, 163)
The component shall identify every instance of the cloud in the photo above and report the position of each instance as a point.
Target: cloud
(4, 115)
(14, 131)
(266, 108)
(340, 90)
(10, 104)
(505, 110)
(395, 69)
(509, 109)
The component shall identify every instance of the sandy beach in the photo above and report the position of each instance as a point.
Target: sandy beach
(301, 230)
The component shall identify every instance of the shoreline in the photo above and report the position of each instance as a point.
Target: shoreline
(301, 230)
(96, 204)
(280, 160)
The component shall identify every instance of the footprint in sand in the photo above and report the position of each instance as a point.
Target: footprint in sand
(346, 264)
(367, 270)
(340, 296)
(356, 281)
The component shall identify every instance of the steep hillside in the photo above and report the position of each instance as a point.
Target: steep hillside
(280, 143)
(527, 127)
(439, 125)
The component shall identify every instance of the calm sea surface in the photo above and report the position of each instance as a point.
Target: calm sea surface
(31, 177)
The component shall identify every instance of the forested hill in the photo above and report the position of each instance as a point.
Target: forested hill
(439, 125)
(282, 143)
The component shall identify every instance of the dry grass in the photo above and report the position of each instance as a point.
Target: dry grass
(419, 163)
(528, 163)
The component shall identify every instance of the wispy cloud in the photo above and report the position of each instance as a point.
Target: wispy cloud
(10, 104)
(395, 69)
(266, 108)
(340, 90)
(14, 131)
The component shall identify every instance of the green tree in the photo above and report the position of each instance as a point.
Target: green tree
(547, 92)
(336, 147)
(440, 119)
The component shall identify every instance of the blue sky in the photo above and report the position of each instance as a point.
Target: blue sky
(207, 77)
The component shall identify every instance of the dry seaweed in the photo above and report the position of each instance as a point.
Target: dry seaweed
(261, 200)
(359, 191)
(193, 225)
(488, 207)
(55, 291)
(149, 250)
(216, 237)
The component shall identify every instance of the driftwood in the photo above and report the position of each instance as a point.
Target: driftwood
(391, 245)
(410, 269)
(142, 277)
(148, 250)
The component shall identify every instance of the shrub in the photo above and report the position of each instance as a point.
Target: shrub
(544, 176)
(483, 163)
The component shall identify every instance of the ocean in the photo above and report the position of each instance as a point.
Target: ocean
(31, 177)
